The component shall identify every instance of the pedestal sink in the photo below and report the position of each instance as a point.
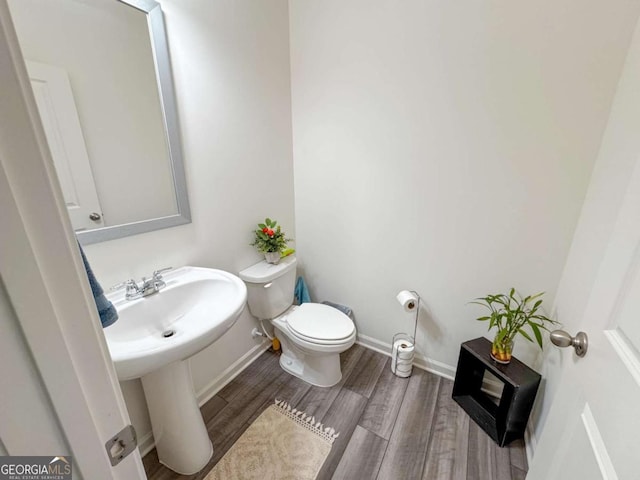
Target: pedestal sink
(153, 339)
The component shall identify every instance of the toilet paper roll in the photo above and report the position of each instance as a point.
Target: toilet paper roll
(408, 300)
(403, 369)
(405, 354)
(403, 350)
(403, 373)
(402, 358)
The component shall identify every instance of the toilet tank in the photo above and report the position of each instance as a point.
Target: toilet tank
(270, 287)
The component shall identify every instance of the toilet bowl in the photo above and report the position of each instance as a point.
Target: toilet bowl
(312, 335)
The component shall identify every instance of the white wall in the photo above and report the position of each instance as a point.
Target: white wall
(116, 97)
(445, 147)
(231, 68)
(617, 157)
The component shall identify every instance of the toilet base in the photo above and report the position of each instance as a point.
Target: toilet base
(321, 371)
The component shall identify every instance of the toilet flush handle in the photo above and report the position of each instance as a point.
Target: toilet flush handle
(267, 285)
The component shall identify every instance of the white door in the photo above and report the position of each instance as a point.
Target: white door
(48, 295)
(593, 428)
(61, 123)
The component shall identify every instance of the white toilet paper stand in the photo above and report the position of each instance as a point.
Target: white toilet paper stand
(403, 347)
(402, 352)
(415, 324)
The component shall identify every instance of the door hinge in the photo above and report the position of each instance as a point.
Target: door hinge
(122, 444)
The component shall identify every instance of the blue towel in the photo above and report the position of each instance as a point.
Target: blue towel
(302, 292)
(106, 310)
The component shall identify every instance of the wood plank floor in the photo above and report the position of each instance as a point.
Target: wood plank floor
(390, 428)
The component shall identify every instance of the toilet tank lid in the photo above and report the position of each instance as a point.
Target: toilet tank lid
(264, 272)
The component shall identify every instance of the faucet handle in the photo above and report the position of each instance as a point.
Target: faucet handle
(129, 284)
(132, 289)
(157, 274)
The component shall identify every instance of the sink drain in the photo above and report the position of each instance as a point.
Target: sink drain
(168, 333)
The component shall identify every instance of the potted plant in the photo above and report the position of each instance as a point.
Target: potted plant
(510, 314)
(270, 240)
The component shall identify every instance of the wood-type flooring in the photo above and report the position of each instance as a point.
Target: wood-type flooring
(390, 428)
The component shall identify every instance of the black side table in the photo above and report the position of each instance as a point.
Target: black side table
(507, 420)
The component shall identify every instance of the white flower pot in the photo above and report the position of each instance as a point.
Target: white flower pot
(272, 257)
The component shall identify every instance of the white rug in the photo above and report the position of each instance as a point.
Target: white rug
(282, 443)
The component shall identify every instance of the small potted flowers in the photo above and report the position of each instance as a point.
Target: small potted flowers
(270, 240)
(509, 315)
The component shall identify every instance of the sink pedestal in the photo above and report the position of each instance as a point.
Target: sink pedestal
(153, 339)
(179, 431)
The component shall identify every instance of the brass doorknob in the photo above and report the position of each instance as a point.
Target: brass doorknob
(562, 339)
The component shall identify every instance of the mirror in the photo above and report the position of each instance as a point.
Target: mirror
(101, 77)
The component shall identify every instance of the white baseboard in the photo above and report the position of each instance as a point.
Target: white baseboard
(425, 363)
(146, 442)
(420, 361)
(530, 443)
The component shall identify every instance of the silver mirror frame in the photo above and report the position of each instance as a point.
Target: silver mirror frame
(160, 50)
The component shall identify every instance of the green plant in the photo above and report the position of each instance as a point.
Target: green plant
(510, 314)
(270, 237)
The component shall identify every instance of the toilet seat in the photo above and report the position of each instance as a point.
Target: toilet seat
(320, 324)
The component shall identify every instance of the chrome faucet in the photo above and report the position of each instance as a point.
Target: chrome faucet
(153, 284)
(148, 286)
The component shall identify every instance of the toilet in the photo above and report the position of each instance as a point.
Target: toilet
(312, 335)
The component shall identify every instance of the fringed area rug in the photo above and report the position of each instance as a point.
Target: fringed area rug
(283, 443)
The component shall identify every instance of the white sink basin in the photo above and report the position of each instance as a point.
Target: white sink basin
(153, 339)
(196, 307)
